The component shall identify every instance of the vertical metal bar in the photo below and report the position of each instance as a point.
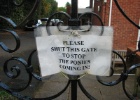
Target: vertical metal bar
(8, 7)
(74, 16)
(74, 89)
(91, 3)
(74, 9)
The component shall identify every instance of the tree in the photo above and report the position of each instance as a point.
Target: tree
(18, 13)
(68, 4)
(48, 7)
(61, 9)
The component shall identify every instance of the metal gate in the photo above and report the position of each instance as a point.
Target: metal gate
(74, 81)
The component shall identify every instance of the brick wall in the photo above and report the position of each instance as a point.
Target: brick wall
(125, 34)
(98, 10)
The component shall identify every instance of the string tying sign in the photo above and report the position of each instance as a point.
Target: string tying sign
(75, 53)
(75, 33)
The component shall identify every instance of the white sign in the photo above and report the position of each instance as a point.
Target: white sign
(75, 55)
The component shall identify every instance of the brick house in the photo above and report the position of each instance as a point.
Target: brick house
(125, 34)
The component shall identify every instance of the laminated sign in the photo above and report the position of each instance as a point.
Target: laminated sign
(74, 54)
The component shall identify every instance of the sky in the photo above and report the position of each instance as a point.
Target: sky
(81, 3)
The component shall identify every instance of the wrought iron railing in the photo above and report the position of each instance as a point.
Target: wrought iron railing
(73, 20)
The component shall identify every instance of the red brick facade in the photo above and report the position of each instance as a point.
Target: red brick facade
(125, 34)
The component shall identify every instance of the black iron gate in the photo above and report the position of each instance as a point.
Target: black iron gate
(73, 20)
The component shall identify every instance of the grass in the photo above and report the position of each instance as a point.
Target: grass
(6, 96)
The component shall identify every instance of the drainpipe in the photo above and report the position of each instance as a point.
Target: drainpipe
(110, 13)
(138, 38)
